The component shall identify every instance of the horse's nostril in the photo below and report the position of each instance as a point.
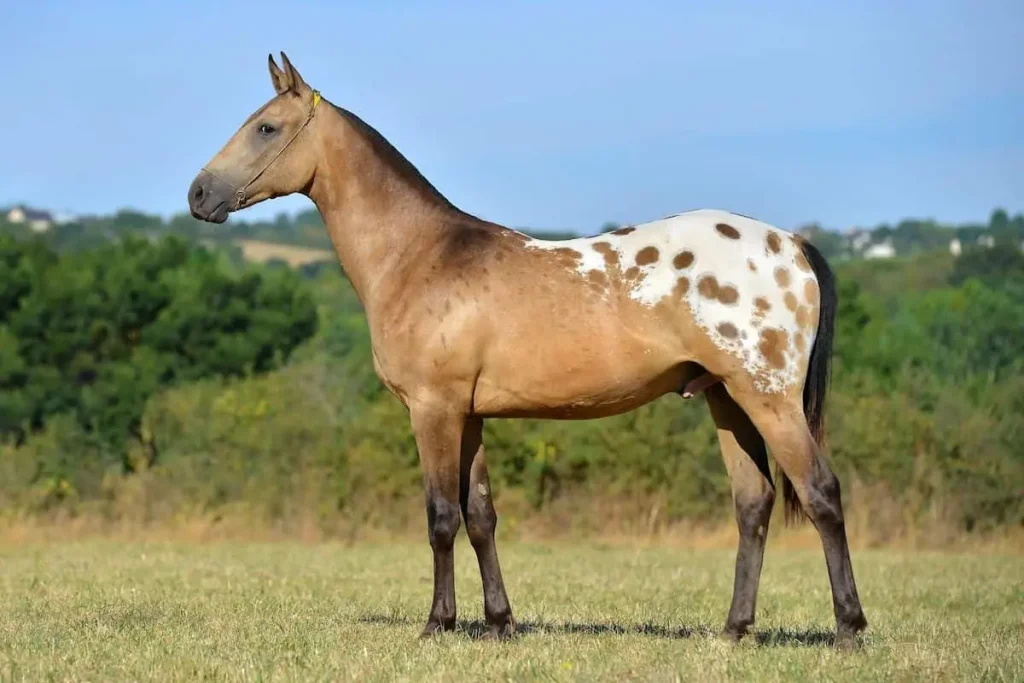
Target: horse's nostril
(198, 195)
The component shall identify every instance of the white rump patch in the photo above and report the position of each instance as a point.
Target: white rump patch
(745, 263)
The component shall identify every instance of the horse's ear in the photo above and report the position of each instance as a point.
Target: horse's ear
(279, 78)
(296, 82)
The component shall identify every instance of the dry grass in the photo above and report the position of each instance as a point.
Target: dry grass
(156, 610)
(243, 525)
(259, 251)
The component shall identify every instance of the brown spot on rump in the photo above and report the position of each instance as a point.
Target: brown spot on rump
(611, 257)
(728, 294)
(773, 242)
(772, 346)
(761, 307)
(800, 343)
(801, 262)
(647, 256)
(597, 278)
(682, 287)
(751, 265)
(728, 330)
(790, 301)
(632, 273)
(811, 292)
(726, 230)
(683, 259)
(623, 231)
(710, 289)
(782, 277)
(803, 316)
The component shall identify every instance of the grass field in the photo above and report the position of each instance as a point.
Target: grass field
(102, 610)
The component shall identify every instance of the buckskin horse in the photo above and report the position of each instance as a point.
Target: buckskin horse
(472, 320)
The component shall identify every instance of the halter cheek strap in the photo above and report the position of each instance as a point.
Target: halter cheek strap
(240, 192)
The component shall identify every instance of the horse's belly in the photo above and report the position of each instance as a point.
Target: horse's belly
(576, 385)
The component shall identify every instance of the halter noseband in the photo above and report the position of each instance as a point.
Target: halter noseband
(240, 192)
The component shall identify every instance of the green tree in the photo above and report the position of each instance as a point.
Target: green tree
(95, 333)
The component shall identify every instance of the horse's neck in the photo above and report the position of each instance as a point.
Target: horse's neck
(380, 223)
(375, 248)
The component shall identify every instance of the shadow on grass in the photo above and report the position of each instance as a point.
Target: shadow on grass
(776, 637)
(785, 637)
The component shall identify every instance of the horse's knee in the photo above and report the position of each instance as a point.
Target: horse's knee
(442, 522)
(481, 519)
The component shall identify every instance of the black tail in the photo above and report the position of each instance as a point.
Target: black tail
(818, 369)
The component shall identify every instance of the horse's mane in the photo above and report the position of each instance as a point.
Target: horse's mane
(394, 159)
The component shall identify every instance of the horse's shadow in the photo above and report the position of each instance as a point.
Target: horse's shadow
(773, 637)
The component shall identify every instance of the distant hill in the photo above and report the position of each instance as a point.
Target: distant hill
(913, 236)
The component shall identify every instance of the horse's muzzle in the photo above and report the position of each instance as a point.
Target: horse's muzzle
(210, 198)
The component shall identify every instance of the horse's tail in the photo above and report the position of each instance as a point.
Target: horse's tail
(819, 368)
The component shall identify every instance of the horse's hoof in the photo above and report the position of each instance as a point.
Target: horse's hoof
(846, 634)
(731, 635)
(434, 628)
(501, 630)
(846, 642)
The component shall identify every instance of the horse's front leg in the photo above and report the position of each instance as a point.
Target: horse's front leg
(438, 432)
(481, 520)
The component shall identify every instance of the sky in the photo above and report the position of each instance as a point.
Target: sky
(546, 115)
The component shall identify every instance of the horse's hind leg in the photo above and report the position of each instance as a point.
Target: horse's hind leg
(785, 429)
(753, 497)
(481, 520)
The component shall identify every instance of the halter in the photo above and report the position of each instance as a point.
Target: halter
(240, 192)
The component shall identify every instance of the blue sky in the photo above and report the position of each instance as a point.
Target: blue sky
(542, 114)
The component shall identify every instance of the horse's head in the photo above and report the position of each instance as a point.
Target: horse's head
(269, 156)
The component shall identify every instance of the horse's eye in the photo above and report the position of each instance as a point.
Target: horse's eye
(266, 129)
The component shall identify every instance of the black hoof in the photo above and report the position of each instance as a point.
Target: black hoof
(846, 641)
(436, 627)
(501, 630)
(733, 633)
(846, 634)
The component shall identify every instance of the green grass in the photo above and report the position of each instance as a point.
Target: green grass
(104, 610)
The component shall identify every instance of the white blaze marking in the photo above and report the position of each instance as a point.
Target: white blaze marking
(727, 260)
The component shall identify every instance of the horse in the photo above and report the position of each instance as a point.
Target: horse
(471, 320)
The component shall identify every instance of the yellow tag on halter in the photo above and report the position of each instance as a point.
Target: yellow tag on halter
(316, 99)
